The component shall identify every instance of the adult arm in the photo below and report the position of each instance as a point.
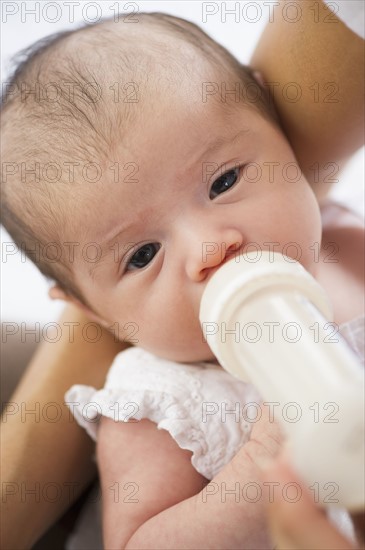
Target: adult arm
(313, 68)
(36, 451)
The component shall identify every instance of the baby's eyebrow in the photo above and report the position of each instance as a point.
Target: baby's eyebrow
(106, 250)
(214, 146)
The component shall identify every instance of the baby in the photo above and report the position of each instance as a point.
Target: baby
(139, 157)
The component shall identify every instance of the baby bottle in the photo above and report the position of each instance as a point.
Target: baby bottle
(268, 322)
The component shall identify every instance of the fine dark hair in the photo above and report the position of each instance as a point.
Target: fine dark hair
(33, 131)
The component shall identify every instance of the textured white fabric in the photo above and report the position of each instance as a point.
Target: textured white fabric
(351, 12)
(173, 395)
(203, 407)
(177, 409)
(354, 334)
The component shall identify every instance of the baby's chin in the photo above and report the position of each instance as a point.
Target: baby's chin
(188, 354)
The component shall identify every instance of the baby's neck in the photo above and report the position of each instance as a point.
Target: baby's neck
(340, 268)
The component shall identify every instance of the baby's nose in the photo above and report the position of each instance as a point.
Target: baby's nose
(204, 260)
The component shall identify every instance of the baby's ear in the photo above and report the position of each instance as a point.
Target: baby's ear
(259, 78)
(56, 293)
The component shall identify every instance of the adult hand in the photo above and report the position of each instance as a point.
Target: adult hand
(302, 525)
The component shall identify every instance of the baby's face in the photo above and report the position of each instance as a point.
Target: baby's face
(203, 185)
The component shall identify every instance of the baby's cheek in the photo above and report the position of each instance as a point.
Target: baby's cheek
(180, 341)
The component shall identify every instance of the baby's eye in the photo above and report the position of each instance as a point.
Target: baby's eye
(143, 256)
(224, 182)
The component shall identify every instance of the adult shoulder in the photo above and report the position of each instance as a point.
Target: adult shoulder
(312, 63)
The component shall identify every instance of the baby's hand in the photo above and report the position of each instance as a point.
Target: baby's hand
(246, 510)
(264, 445)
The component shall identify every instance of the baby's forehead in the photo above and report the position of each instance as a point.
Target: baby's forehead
(110, 82)
(125, 69)
(112, 46)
